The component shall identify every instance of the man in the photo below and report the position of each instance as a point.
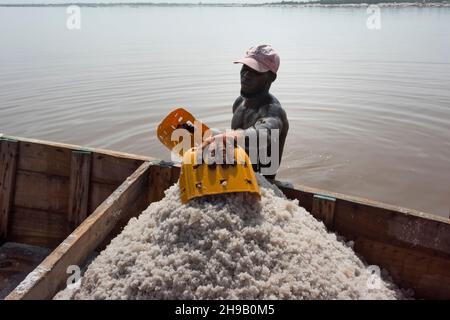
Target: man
(256, 109)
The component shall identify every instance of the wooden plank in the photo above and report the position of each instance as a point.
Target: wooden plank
(8, 164)
(323, 209)
(305, 199)
(428, 275)
(72, 147)
(160, 180)
(80, 175)
(302, 192)
(165, 179)
(161, 176)
(134, 210)
(154, 187)
(41, 191)
(354, 220)
(50, 275)
(110, 169)
(99, 192)
(54, 158)
(43, 158)
(175, 174)
(38, 227)
(357, 217)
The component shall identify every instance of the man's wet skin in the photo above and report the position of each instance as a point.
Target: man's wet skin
(256, 109)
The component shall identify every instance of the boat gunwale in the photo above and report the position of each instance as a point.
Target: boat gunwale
(295, 187)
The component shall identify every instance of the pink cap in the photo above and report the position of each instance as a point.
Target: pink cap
(261, 58)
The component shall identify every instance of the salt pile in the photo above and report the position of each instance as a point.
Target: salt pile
(229, 247)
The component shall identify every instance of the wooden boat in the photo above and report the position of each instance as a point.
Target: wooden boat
(74, 200)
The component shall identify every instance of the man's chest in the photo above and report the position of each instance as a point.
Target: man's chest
(245, 117)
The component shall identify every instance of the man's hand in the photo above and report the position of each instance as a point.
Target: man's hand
(223, 144)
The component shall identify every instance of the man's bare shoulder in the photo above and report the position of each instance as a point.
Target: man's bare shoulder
(270, 107)
(274, 108)
(237, 103)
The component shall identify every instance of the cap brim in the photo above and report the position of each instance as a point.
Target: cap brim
(252, 63)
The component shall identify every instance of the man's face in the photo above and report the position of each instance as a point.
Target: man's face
(253, 81)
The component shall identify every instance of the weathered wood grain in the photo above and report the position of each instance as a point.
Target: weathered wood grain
(80, 178)
(8, 165)
(50, 276)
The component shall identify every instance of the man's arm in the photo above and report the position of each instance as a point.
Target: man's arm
(275, 118)
(268, 123)
(268, 142)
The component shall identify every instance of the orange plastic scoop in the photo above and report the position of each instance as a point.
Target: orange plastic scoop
(199, 179)
(180, 119)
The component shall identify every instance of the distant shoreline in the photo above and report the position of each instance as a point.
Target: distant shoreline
(290, 4)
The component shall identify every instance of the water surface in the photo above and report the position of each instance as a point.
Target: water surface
(369, 110)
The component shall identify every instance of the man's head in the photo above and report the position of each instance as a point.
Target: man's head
(259, 70)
